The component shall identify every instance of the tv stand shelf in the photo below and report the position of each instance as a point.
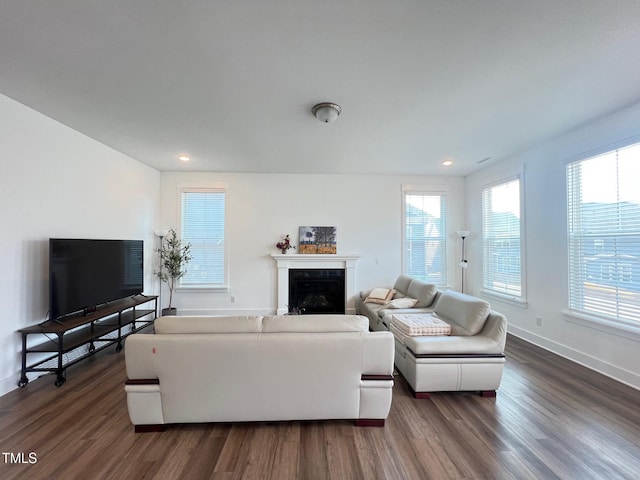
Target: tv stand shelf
(107, 325)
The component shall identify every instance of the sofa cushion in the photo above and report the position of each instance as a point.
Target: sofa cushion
(402, 284)
(402, 302)
(380, 295)
(315, 323)
(424, 292)
(209, 324)
(419, 325)
(453, 345)
(465, 314)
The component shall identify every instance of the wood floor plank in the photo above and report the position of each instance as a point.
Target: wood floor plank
(342, 457)
(235, 451)
(286, 458)
(262, 449)
(552, 419)
(377, 454)
(313, 451)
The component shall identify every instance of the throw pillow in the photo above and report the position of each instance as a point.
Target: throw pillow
(380, 295)
(404, 302)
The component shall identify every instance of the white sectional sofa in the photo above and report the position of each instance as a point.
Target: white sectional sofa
(255, 368)
(379, 314)
(469, 358)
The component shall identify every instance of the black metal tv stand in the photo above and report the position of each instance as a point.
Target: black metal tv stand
(80, 336)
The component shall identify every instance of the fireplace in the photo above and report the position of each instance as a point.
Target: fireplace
(344, 262)
(316, 290)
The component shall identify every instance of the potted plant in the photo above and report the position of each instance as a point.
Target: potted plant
(174, 256)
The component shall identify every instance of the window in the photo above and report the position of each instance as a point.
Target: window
(202, 225)
(604, 234)
(424, 237)
(502, 248)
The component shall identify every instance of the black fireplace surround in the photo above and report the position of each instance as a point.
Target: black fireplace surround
(317, 290)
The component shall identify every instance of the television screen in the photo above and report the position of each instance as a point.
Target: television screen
(84, 274)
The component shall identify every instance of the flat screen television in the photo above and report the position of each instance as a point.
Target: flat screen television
(84, 274)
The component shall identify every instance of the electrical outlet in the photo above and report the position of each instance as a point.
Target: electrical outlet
(233, 299)
(539, 321)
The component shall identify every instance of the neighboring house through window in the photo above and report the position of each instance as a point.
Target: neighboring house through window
(424, 236)
(502, 269)
(203, 226)
(604, 234)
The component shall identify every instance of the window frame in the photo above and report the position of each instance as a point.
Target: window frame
(607, 323)
(429, 192)
(517, 300)
(224, 287)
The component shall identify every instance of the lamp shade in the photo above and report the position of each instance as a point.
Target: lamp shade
(326, 112)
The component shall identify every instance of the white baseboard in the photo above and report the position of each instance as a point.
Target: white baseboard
(619, 374)
(11, 383)
(8, 384)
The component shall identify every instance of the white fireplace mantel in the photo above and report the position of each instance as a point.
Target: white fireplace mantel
(346, 261)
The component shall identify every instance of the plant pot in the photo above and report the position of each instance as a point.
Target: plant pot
(166, 312)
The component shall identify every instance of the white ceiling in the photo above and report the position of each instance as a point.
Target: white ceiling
(232, 83)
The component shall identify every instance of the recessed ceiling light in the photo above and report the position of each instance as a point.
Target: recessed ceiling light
(447, 163)
(184, 158)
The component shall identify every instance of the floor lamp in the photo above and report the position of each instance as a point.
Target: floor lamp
(463, 262)
(161, 234)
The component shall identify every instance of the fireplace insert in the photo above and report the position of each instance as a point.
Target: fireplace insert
(317, 290)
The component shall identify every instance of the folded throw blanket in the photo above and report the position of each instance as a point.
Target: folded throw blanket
(415, 325)
(401, 337)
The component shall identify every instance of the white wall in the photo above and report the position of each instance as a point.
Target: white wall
(612, 352)
(56, 182)
(366, 209)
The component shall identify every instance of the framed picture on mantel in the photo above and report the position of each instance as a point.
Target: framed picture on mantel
(317, 240)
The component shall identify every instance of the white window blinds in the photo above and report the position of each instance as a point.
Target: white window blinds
(425, 237)
(202, 225)
(501, 256)
(604, 234)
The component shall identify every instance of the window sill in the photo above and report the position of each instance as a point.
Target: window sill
(203, 288)
(510, 299)
(613, 327)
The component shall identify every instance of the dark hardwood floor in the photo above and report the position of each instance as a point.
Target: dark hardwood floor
(551, 419)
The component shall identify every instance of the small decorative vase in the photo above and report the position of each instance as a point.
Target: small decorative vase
(284, 251)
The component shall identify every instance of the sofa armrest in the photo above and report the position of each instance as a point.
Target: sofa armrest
(139, 352)
(376, 384)
(378, 352)
(375, 398)
(144, 403)
(364, 294)
(495, 328)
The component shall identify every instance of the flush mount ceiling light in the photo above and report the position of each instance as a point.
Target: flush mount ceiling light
(447, 163)
(326, 112)
(184, 158)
